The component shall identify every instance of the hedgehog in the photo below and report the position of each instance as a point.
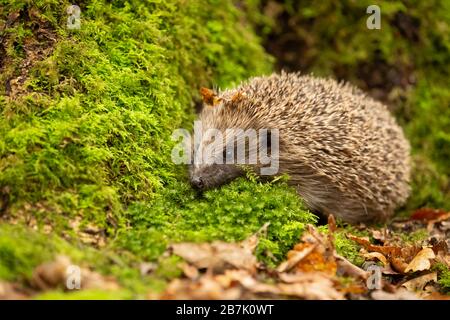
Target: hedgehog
(343, 151)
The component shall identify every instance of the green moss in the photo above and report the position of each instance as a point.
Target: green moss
(230, 213)
(169, 267)
(97, 136)
(414, 237)
(19, 255)
(22, 250)
(443, 276)
(347, 248)
(88, 136)
(177, 215)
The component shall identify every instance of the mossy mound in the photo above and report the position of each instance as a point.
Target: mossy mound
(85, 137)
(87, 115)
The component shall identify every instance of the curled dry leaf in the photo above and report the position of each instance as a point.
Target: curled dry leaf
(317, 287)
(314, 253)
(309, 285)
(295, 256)
(205, 288)
(376, 255)
(439, 219)
(332, 223)
(346, 268)
(147, 268)
(400, 258)
(55, 274)
(421, 261)
(437, 296)
(190, 271)
(385, 250)
(198, 254)
(419, 283)
(240, 284)
(379, 235)
(10, 291)
(427, 214)
(51, 274)
(398, 264)
(400, 294)
(218, 255)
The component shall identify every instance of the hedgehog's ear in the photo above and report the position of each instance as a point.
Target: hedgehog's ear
(239, 96)
(209, 97)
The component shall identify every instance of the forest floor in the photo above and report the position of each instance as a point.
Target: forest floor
(405, 259)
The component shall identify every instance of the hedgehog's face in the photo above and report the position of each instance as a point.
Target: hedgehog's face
(225, 140)
(211, 176)
(214, 160)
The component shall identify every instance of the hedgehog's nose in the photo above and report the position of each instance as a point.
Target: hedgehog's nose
(198, 183)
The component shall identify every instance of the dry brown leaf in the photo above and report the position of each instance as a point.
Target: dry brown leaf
(437, 296)
(241, 281)
(94, 280)
(205, 288)
(400, 258)
(321, 258)
(398, 264)
(147, 268)
(379, 235)
(385, 250)
(198, 254)
(332, 223)
(400, 294)
(295, 257)
(218, 255)
(388, 270)
(441, 218)
(10, 291)
(239, 284)
(376, 255)
(441, 246)
(345, 267)
(421, 261)
(309, 271)
(51, 274)
(312, 285)
(54, 274)
(418, 284)
(189, 271)
(316, 290)
(426, 214)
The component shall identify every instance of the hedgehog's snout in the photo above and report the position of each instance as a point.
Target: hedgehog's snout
(213, 176)
(198, 183)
